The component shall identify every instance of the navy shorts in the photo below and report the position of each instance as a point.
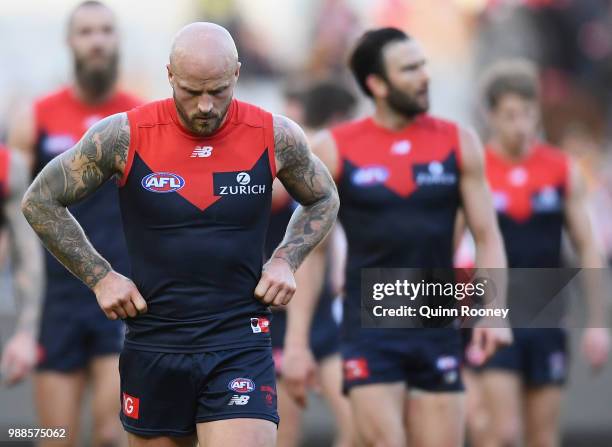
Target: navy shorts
(324, 333)
(425, 359)
(73, 332)
(538, 356)
(167, 394)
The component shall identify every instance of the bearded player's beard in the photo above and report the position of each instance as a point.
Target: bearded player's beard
(98, 81)
(405, 104)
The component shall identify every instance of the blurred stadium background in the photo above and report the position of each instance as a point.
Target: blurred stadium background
(287, 43)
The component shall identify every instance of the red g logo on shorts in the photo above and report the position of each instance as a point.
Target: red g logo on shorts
(356, 369)
(130, 406)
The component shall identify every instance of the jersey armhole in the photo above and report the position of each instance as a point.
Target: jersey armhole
(269, 142)
(131, 151)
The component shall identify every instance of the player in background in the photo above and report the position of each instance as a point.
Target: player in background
(79, 346)
(402, 174)
(538, 193)
(195, 173)
(320, 105)
(20, 353)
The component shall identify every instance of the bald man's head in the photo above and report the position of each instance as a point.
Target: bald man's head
(203, 71)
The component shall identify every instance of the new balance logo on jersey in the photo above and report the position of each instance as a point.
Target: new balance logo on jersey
(202, 152)
(239, 400)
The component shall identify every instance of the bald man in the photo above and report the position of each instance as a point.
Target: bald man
(195, 173)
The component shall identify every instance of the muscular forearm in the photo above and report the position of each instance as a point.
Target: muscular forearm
(28, 285)
(594, 278)
(491, 263)
(64, 238)
(307, 227)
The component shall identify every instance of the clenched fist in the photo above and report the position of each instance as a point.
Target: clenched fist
(277, 284)
(118, 297)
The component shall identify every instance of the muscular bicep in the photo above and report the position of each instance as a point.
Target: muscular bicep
(300, 171)
(80, 171)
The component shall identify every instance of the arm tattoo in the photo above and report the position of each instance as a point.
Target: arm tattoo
(308, 182)
(69, 178)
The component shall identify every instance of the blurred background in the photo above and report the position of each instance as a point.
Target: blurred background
(286, 44)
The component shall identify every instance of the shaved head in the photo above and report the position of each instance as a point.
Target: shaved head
(203, 71)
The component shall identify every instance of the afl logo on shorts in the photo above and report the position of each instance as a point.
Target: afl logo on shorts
(131, 406)
(241, 385)
(162, 182)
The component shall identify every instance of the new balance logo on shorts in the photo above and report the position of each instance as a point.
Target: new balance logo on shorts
(131, 406)
(239, 400)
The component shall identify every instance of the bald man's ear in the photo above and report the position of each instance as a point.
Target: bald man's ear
(238, 65)
(170, 74)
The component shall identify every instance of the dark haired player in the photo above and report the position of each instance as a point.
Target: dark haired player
(195, 174)
(19, 354)
(78, 345)
(537, 193)
(402, 175)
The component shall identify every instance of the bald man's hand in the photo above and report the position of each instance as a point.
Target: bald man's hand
(118, 297)
(277, 284)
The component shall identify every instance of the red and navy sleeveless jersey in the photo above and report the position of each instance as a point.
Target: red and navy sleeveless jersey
(4, 181)
(61, 120)
(529, 197)
(399, 195)
(195, 212)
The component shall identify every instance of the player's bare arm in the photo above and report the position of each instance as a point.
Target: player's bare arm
(22, 133)
(596, 339)
(310, 184)
(19, 355)
(67, 179)
(482, 222)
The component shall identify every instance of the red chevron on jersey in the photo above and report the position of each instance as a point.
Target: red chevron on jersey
(167, 148)
(389, 157)
(537, 179)
(4, 171)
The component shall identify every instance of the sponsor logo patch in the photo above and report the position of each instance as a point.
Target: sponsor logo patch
(356, 369)
(239, 400)
(131, 406)
(259, 325)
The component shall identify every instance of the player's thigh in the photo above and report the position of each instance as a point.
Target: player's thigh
(476, 414)
(502, 397)
(435, 419)
(330, 377)
(244, 432)
(542, 414)
(58, 398)
(290, 413)
(161, 441)
(378, 411)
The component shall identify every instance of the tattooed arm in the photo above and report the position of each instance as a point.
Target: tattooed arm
(308, 181)
(19, 354)
(67, 179)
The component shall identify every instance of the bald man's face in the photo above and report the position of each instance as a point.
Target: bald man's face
(203, 92)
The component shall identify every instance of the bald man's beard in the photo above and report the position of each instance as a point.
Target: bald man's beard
(198, 127)
(97, 81)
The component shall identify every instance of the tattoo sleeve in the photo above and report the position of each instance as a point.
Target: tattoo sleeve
(26, 252)
(69, 178)
(309, 182)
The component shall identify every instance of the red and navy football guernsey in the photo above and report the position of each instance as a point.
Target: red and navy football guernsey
(399, 195)
(4, 181)
(61, 120)
(529, 197)
(195, 212)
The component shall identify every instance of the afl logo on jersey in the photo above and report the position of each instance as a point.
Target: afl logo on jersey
(241, 385)
(162, 182)
(370, 175)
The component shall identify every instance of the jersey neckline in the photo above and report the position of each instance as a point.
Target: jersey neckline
(223, 130)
